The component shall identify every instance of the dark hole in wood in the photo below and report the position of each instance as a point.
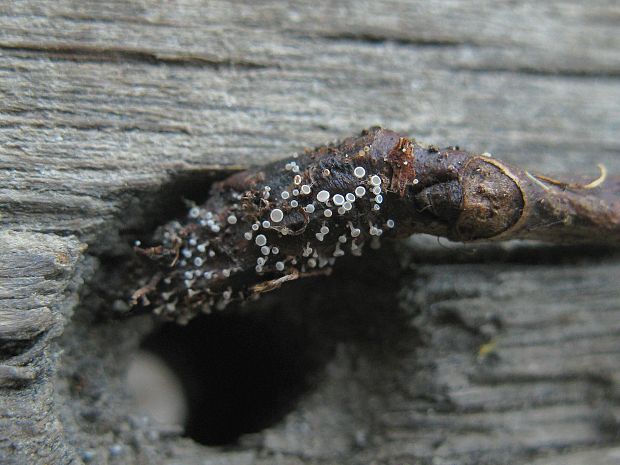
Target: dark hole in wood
(241, 371)
(246, 368)
(171, 201)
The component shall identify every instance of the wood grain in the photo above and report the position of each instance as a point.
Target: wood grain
(109, 107)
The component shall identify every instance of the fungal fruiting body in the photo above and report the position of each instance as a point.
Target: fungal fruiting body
(296, 217)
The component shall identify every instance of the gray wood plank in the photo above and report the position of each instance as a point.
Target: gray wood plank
(109, 107)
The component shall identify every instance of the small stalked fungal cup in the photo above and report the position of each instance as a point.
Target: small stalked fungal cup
(295, 217)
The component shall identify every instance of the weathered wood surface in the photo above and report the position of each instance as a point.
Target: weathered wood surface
(106, 105)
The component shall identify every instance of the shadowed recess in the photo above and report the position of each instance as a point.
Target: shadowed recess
(245, 368)
(240, 373)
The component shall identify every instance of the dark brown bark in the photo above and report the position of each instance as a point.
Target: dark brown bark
(295, 217)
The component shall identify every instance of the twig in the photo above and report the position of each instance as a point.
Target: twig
(294, 217)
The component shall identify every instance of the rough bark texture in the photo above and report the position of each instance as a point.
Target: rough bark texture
(112, 112)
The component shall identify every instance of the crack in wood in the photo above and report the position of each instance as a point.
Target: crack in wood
(88, 53)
